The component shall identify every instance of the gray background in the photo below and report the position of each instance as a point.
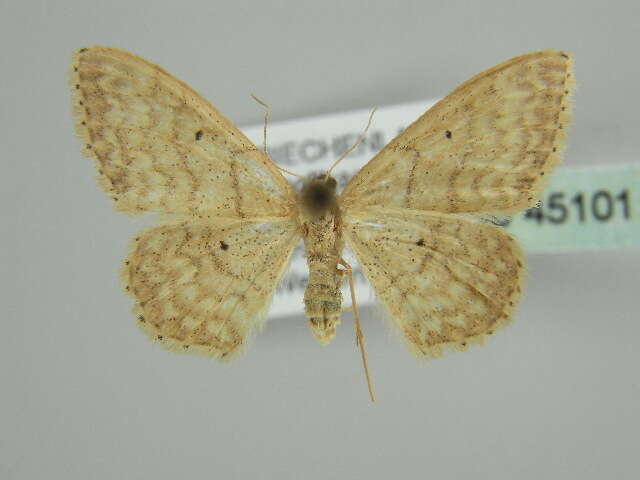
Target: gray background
(84, 395)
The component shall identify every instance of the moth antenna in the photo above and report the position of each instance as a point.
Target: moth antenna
(355, 145)
(306, 179)
(266, 120)
(264, 135)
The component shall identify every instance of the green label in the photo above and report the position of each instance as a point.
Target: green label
(583, 208)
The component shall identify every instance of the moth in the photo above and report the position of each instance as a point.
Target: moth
(415, 215)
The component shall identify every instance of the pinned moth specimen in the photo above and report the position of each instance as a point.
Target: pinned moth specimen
(414, 215)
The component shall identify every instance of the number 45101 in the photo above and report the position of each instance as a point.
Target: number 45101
(601, 206)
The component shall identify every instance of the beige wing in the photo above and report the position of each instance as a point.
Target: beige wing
(486, 147)
(204, 288)
(445, 280)
(160, 147)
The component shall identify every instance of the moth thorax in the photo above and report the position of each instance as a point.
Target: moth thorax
(319, 195)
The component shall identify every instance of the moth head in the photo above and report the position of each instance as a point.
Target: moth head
(319, 194)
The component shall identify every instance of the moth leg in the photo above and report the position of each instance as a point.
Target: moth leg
(348, 272)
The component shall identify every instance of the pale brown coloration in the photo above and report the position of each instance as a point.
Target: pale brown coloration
(449, 280)
(321, 223)
(412, 215)
(204, 287)
(484, 148)
(159, 147)
(202, 283)
(445, 280)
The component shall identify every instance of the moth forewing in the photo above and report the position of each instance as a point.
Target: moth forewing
(487, 147)
(160, 147)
